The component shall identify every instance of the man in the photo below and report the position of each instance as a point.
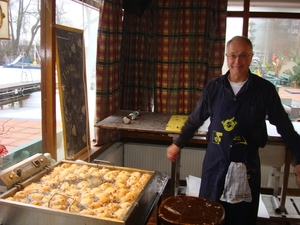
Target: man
(238, 104)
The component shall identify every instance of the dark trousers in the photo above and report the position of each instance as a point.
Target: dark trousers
(239, 214)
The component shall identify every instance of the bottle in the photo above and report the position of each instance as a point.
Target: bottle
(130, 117)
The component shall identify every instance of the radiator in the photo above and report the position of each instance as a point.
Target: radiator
(153, 157)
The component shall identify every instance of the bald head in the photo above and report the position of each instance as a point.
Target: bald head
(241, 38)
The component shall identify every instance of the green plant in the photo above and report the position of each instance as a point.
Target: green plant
(296, 76)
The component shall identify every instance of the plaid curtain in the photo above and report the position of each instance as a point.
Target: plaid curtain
(170, 53)
(108, 66)
(160, 60)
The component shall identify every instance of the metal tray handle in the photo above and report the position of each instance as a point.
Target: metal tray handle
(99, 161)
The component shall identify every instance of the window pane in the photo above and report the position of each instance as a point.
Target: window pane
(234, 27)
(265, 5)
(276, 45)
(20, 95)
(277, 55)
(235, 6)
(275, 6)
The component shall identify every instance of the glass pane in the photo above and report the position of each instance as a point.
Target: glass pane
(234, 5)
(275, 6)
(234, 27)
(277, 57)
(76, 15)
(20, 95)
(265, 5)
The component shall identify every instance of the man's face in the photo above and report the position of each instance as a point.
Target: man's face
(239, 57)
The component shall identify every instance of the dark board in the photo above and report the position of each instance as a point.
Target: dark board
(72, 88)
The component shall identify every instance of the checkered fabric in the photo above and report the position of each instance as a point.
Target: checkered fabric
(236, 188)
(163, 58)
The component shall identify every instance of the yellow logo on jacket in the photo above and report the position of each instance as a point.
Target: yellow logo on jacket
(217, 137)
(229, 124)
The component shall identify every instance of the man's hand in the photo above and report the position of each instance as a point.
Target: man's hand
(297, 173)
(173, 150)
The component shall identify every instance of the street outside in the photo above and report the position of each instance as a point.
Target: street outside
(31, 107)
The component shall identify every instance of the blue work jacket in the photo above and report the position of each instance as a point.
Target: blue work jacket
(237, 128)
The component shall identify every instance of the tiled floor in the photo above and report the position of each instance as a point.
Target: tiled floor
(15, 133)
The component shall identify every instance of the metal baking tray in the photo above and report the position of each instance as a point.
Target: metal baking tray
(14, 213)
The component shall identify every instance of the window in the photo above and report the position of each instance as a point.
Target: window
(273, 29)
(20, 116)
(20, 84)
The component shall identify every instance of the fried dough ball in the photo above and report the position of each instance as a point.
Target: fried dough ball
(122, 191)
(63, 174)
(65, 165)
(113, 206)
(144, 178)
(11, 199)
(71, 177)
(102, 198)
(129, 197)
(120, 185)
(123, 175)
(84, 175)
(21, 195)
(104, 186)
(65, 186)
(22, 200)
(100, 210)
(137, 186)
(95, 205)
(57, 205)
(83, 169)
(134, 177)
(87, 211)
(136, 174)
(83, 184)
(35, 196)
(46, 199)
(39, 203)
(103, 171)
(125, 205)
(44, 189)
(96, 190)
(50, 182)
(111, 175)
(86, 201)
(74, 192)
(58, 202)
(110, 190)
(93, 170)
(119, 214)
(131, 181)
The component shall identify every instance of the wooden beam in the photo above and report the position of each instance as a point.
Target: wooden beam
(48, 83)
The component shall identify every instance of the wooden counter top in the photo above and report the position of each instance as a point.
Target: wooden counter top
(156, 123)
(146, 122)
